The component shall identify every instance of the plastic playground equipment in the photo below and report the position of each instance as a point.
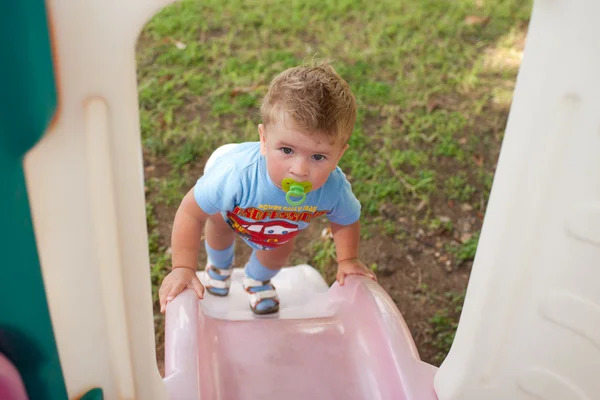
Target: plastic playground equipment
(75, 307)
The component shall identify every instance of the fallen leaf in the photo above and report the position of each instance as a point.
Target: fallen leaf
(466, 207)
(432, 105)
(165, 78)
(161, 119)
(448, 266)
(478, 160)
(326, 234)
(414, 104)
(476, 20)
(241, 90)
(422, 204)
(465, 237)
(176, 43)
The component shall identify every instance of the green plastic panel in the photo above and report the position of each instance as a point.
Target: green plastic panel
(94, 394)
(27, 103)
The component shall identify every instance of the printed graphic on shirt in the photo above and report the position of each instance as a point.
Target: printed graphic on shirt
(294, 214)
(275, 231)
(264, 234)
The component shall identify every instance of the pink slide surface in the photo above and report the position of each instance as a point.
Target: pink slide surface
(345, 342)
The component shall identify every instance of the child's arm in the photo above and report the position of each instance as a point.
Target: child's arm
(186, 235)
(346, 238)
(185, 244)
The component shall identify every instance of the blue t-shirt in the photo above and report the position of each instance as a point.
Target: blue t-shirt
(237, 185)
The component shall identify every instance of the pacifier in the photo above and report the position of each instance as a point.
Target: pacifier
(295, 189)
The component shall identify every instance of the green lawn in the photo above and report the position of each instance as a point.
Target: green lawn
(433, 80)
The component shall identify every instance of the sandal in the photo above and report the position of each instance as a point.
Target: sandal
(218, 280)
(262, 295)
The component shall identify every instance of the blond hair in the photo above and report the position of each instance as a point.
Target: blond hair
(315, 97)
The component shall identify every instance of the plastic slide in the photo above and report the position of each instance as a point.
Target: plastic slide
(345, 342)
(75, 224)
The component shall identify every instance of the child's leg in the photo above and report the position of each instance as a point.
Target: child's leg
(262, 266)
(219, 243)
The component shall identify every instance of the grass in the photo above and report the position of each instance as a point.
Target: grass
(466, 252)
(457, 187)
(444, 323)
(323, 254)
(433, 80)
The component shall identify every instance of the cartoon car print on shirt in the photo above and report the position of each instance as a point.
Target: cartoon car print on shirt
(267, 234)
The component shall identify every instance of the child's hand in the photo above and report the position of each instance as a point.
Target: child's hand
(177, 280)
(353, 267)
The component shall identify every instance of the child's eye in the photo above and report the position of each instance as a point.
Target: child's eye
(318, 157)
(286, 150)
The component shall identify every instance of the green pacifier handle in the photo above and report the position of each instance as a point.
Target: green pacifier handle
(296, 190)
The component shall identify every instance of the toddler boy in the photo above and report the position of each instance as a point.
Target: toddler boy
(268, 191)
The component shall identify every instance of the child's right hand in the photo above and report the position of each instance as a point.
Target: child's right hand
(178, 279)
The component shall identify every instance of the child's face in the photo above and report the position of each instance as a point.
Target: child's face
(292, 153)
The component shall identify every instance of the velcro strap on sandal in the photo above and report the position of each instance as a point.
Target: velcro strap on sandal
(217, 283)
(257, 297)
(224, 283)
(250, 283)
(224, 272)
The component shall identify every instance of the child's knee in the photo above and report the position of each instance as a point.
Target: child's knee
(273, 263)
(217, 233)
(276, 258)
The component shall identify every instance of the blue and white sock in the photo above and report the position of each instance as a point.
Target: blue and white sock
(221, 259)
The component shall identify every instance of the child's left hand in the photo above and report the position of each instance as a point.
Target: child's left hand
(353, 266)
